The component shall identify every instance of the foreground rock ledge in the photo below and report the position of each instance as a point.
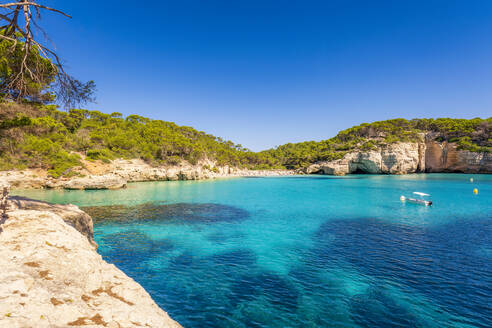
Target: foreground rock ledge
(71, 214)
(51, 276)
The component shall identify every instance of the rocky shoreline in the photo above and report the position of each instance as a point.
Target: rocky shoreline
(52, 275)
(118, 173)
(425, 156)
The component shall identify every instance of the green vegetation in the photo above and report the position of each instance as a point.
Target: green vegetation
(35, 134)
(41, 136)
(29, 69)
(12, 83)
(472, 135)
(44, 137)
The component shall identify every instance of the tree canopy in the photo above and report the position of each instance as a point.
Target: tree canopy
(43, 136)
(56, 140)
(29, 69)
(473, 135)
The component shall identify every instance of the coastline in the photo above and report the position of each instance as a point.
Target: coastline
(118, 173)
(396, 158)
(43, 236)
(53, 275)
(426, 156)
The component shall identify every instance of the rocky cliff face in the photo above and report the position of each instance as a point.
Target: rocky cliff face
(398, 158)
(52, 276)
(71, 214)
(445, 157)
(119, 172)
(410, 157)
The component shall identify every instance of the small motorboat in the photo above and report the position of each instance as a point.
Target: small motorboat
(420, 201)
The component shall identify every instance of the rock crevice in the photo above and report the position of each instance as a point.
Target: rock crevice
(446, 157)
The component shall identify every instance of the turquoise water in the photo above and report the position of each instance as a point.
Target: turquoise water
(307, 251)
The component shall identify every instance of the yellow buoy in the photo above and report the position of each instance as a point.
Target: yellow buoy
(475, 191)
(471, 179)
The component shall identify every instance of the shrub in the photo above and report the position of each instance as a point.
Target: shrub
(42, 136)
(103, 154)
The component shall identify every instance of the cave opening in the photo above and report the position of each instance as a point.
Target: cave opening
(358, 170)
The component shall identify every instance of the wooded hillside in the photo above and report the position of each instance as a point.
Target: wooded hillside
(41, 136)
(45, 137)
(473, 135)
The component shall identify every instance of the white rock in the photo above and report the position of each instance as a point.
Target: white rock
(408, 157)
(52, 276)
(107, 181)
(397, 158)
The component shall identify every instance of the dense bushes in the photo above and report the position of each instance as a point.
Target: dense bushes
(42, 152)
(42, 136)
(52, 139)
(472, 135)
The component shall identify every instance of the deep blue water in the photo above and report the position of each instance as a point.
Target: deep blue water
(303, 251)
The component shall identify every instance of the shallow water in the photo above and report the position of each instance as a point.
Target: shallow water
(303, 251)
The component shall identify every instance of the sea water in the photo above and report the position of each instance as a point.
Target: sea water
(305, 251)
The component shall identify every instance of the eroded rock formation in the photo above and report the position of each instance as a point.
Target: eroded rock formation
(397, 158)
(407, 157)
(52, 276)
(118, 173)
(445, 157)
(71, 214)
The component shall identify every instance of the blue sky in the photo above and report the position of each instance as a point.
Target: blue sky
(264, 73)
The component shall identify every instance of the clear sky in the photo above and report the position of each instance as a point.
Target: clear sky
(264, 73)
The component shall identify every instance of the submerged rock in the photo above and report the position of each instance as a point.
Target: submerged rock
(185, 213)
(52, 276)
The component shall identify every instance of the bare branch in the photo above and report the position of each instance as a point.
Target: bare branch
(37, 66)
(7, 38)
(27, 3)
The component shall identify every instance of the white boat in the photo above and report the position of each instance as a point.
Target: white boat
(420, 201)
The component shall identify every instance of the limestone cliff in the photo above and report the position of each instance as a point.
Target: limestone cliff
(71, 214)
(407, 157)
(397, 158)
(445, 157)
(52, 276)
(116, 174)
